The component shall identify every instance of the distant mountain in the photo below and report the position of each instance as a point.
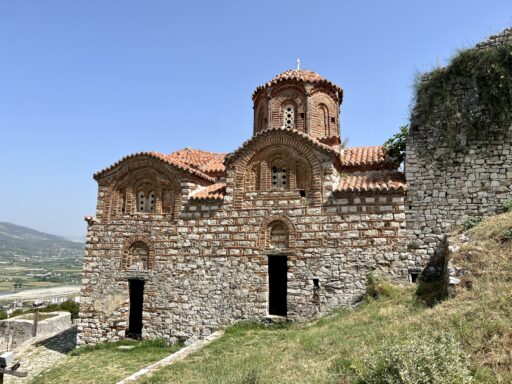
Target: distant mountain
(21, 242)
(76, 238)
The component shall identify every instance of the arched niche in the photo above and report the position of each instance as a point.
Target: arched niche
(138, 254)
(277, 233)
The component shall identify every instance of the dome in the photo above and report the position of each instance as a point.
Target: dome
(298, 74)
(302, 75)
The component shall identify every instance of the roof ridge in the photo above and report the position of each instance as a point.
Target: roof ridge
(159, 156)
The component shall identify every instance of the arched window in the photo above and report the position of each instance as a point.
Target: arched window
(324, 119)
(278, 236)
(138, 256)
(288, 116)
(279, 177)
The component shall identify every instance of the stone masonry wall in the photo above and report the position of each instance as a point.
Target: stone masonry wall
(458, 174)
(211, 264)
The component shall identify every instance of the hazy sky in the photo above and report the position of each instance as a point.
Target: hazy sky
(83, 83)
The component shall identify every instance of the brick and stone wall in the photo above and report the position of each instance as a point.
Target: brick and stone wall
(211, 264)
(459, 158)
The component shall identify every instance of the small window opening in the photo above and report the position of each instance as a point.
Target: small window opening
(302, 193)
(142, 201)
(301, 115)
(316, 283)
(146, 201)
(279, 177)
(288, 116)
(414, 277)
(333, 120)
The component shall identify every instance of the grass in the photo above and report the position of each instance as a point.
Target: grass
(479, 316)
(105, 363)
(326, 351)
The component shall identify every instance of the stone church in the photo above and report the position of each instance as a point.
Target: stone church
(288, 225)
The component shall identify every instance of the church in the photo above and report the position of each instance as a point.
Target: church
(288, 226)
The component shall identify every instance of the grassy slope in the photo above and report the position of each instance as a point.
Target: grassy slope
(323, 352)
(105, 363)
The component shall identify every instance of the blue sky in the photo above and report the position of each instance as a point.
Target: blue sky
(83, 83)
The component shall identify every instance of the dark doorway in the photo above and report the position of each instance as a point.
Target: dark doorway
(277, 281)
(136, 301)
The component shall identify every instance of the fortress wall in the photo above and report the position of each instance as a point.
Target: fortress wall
(459, 150)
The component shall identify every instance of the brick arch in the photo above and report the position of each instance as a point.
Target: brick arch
(278, 138)
(129, 243)
(266, 225)
(258, 170)
(123, 184)
(317, 101)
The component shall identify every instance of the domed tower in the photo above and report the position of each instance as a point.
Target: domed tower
(302, 100)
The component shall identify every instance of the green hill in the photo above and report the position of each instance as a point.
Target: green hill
(466, 338)
(18, 242)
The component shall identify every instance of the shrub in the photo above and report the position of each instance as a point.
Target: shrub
(506, 235)
(471, 222)
(420, 360)
(507, 205)
(72, 307)
(378, 286)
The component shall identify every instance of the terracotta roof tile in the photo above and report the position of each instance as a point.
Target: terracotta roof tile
(374, 182)
(207, 162)
(211, 192)
(304, 75)
(162, 157)
(367, 158)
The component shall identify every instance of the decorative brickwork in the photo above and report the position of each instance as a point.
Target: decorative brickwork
(201, 248)
(301, 100)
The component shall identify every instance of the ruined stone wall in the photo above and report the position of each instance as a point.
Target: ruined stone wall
(459, 150)
(211, 264)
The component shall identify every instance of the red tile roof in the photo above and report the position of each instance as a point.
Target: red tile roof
(303, 75)
(377, 182)
(211, 192)
(298, 74)
(367, 158)
(207, 162)
(162, 157)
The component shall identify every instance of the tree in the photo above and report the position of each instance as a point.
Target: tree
(395, 147)
(18, 284)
